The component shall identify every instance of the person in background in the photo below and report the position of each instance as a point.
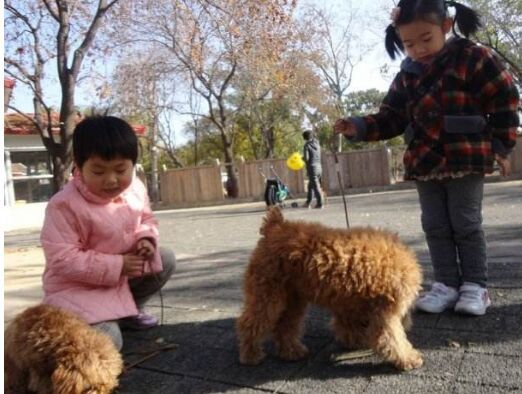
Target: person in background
(312, 159)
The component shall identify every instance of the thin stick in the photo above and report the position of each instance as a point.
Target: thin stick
(153, 353)
(339, 179)
(351, 355)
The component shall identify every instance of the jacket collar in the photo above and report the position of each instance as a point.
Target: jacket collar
(80, 185)
(453, 45)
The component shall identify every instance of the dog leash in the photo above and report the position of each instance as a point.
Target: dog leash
(148, 354)
(339, 179)
(155, 276)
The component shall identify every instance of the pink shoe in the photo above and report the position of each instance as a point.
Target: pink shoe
(141, 321)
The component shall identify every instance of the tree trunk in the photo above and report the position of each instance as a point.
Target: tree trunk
(59, 174)
(154, 190)
(269, 142)
(232, 181)
(62, 157)
(196, 135)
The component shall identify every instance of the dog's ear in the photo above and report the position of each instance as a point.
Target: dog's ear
(273, 217)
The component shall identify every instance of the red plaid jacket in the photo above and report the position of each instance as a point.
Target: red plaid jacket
(456, 113)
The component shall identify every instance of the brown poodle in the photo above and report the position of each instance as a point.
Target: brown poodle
(366, 277)
(48, 350)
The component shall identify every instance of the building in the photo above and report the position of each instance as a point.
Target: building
(28, 165)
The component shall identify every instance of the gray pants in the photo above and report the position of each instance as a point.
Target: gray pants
(142, 289)
(314, 186)
(452, 222)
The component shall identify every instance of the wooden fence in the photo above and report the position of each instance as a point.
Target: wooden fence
(203, 185)
(191, 186)
(361, 168)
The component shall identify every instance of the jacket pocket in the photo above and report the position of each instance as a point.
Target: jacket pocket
(464, 124)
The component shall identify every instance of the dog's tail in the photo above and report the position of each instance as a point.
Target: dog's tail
(273, 217)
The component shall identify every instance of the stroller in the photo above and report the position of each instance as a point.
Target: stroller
(276, 192)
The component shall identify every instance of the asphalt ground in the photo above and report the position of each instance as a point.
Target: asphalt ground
(200, 303)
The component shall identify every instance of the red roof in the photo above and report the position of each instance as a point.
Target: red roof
(9, 83)
(16, 124)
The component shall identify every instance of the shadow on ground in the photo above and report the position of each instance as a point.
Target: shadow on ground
(206, 360)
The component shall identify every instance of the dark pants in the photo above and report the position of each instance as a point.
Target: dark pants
(452, 222)
(314, 186)
(142, 289)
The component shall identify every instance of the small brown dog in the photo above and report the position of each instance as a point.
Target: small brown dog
(48, 350)
(366, 277)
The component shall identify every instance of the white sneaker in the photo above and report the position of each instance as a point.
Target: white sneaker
(438, 299)
(473, 300)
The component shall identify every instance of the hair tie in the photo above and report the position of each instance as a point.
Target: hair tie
(394, 15)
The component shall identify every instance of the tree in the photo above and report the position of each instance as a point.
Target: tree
(335, 49)
(268, 129)
(143, 89)
(37, 32)
(502, 31)
(209, 146)
(212, 41)
(363, 102)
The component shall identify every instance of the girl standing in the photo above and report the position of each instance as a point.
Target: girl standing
(457, 106)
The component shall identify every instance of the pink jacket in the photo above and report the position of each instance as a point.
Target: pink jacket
(84, 237)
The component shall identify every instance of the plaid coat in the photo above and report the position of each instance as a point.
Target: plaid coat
(456, 113)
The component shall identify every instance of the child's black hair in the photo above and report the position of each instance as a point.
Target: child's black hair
(433, 11)
(107, 137)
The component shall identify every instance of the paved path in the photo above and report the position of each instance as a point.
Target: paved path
(203, 299)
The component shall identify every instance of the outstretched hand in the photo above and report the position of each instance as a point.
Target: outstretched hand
(504, 164)
(345, 127)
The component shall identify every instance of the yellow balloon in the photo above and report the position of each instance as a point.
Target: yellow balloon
(295, 162)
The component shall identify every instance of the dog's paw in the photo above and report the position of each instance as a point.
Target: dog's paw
(412, 361)
(293, 353)
(251, 358)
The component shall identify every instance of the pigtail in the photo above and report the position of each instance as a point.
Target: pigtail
(467, 19)
(392, 42)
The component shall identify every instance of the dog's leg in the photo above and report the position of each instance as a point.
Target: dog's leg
(388, 338)
(287, 333)
(350, 331)
(257, 322)
(407, 322)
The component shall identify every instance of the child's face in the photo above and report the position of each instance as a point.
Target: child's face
(107, 178)
(423, 40)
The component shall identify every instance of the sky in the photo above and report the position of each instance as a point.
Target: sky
(366, 73)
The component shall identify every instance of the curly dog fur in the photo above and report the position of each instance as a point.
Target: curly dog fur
(366, 277)
(48, 350)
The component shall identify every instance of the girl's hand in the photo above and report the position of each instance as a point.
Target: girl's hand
(504, 164)
(345, 127)
(145, 248)
(133, 265)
